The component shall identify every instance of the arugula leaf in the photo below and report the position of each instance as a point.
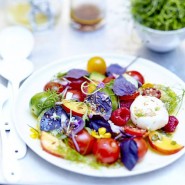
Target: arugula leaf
(159, 14)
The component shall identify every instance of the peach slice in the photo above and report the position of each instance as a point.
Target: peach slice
(77, 108)
(163, 144)
(50, 144)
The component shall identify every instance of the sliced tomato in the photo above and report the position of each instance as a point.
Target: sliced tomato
(76, 95)
(129, 97)
(76, 83)
(137, 75)
(54, 86)
(135, 131)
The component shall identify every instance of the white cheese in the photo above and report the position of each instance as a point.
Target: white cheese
(149, 113)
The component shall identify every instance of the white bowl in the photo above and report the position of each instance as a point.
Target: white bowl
(160, 41)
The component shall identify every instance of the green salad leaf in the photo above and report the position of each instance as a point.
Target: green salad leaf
(159, 14)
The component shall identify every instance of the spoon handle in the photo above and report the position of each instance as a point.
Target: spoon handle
(19, 146)
(10, 165)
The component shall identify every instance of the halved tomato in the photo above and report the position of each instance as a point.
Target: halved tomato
(137, 75)
(135, 131)
(129, 97)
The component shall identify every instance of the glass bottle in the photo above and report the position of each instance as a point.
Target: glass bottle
(35, 14)
(87, 15)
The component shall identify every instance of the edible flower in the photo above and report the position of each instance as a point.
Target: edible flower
(34, 133)
(101, 133)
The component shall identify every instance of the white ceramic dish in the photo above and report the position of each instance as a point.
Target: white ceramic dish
(160, 41)
(152, 73)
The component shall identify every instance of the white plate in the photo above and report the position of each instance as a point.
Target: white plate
(152, 72)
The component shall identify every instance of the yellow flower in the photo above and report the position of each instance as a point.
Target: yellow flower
(101, 133)
(34, 133)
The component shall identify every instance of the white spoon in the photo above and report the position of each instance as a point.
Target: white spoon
(16, 44)
(10, 166)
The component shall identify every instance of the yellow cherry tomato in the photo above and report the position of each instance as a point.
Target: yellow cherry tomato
(96, 64)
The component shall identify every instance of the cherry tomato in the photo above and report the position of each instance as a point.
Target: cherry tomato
(137, 75)
(126, 103)
(135, 131)
(54, 86)
(76, 83)
(120, 116)
(108, 79)
(96, 64)
(171, 125)
(77, 95)
(129, 97)
(152, 92)
(85, 142)
(142, 147)
(106, 150)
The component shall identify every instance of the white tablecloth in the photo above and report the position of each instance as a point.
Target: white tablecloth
(116, 37)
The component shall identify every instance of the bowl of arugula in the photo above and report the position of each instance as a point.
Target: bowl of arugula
(159, 23)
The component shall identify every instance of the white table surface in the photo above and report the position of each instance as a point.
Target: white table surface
(116, 37)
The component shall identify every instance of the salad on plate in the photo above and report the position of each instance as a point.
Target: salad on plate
(105, 116)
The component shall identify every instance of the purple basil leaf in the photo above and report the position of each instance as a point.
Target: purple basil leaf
(123, 87)
(97, 122)
(76, 73)
(100, 104)
(116, 69)
(129, 153)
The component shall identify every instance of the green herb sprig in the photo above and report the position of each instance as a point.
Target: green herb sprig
(159, 14)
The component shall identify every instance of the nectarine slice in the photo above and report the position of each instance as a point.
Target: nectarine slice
(50, 144)
(163, 144)
(77, 108)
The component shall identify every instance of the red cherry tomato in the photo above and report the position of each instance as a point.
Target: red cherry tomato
(129, 97)
(106, 150)
(152, 92)
(171, 125)
(137, 75)
(76, 83)
(135, 131)
(77, 95)
(142, 147)
(120, 116)
(108, 79)
(54, 86)
(85, 142)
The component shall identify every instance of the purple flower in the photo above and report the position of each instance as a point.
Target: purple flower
(101, 85)
(100, 104)
(97, 122)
